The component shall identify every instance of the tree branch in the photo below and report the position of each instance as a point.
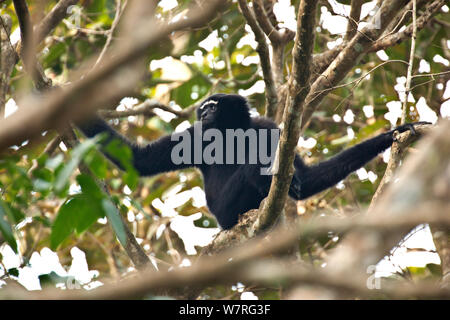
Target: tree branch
(350, 55)
(7, 60)
(146, 108)
(119, 11)
(355, 13)
(397, 151)
(421, 180)
(395, 38)
(264, 56)
(242, 263)
(441, 239)
(410, 64)
(298, 90)
(52, 19)
(266, 25)
(26, 46)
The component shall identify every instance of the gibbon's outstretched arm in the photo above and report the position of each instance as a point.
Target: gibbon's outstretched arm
(316, 178)
(148, 160)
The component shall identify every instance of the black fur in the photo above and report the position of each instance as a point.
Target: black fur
(232, 189)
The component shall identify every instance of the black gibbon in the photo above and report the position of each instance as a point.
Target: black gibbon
(234, 182)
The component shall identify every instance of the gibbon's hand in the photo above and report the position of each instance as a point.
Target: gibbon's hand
(405, 127)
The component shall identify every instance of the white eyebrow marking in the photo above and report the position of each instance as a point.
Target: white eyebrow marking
(208, 102)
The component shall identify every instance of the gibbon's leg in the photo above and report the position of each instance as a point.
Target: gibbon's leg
(236, 197)
(323, 175)
(243, 191)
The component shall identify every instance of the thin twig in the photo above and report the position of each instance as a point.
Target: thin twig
(146, 108)
(392, 39)
(264, 57)
(410, 64)
(110, 33)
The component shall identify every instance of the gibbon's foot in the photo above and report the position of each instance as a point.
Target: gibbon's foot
(405, 127)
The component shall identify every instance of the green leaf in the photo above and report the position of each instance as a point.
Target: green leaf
(97, 163)
(54, 53)
(51, 278)
(18, 215)
(120, 151)
(77, 153)
(64, 223)
(42, 159)
(43, 174)
(89, 213)
(435, 269)
(7, 210)
(416, 270)
(182, 94)
(54, 162)
(115, 183)
(131, 178)
(77, 214)
(41, 185)
(44, 220)
(123, 154)
(206, 222)
(89, 186)
(5, 227)
(14, 272)
(114, 218)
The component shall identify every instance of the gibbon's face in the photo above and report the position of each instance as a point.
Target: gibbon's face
(224, 111)
(208, 110)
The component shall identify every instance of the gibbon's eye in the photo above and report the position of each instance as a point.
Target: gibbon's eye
(213, 108)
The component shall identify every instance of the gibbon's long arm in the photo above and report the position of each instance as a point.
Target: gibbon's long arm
(316, 178)
(148, 160)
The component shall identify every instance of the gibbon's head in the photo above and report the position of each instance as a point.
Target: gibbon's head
(224, 111)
